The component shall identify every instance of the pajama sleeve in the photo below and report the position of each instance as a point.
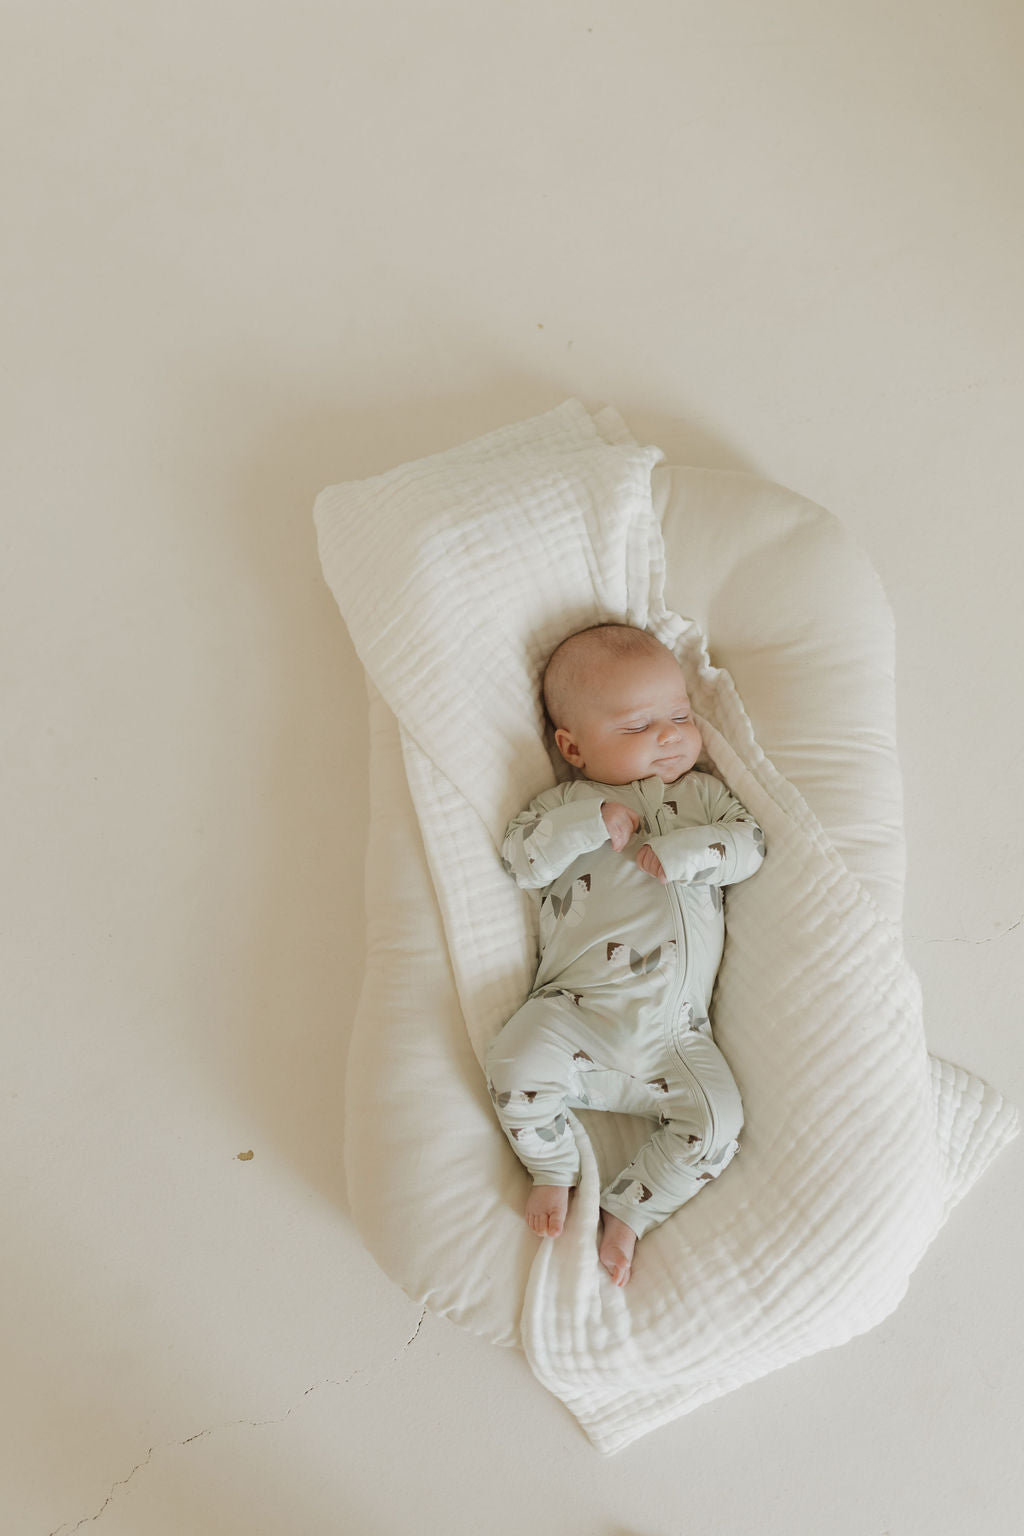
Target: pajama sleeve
(549, 835)
(730, 848)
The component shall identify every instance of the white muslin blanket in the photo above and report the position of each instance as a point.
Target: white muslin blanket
(456, 576)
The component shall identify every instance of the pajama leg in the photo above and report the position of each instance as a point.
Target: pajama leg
(700, 1116)
(529, 1072)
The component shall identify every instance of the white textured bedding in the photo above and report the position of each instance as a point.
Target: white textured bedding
(456, 576)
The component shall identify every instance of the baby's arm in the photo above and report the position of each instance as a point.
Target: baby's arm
(543, 840)
(730, 848)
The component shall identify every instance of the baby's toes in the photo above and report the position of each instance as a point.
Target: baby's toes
(617, 1268)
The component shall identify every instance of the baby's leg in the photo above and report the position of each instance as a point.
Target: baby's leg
(529, 1068)
(700, 1116)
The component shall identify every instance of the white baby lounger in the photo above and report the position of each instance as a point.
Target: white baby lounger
(457, 575)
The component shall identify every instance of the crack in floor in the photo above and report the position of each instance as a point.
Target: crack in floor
(990, 940)
(329, 1381)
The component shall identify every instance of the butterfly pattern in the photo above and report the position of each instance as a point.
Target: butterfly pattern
(569, 908)
(619, 953)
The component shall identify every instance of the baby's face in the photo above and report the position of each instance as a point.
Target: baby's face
(633, 721)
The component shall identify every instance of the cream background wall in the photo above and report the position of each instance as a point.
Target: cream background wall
(252, 249)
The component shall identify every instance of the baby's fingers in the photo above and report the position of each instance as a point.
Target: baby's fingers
(621, 823)
(650, 863)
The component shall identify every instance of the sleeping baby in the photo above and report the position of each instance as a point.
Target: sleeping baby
(631, 857)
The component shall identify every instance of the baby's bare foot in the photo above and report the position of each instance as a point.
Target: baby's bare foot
(616, 1250)
(546, 1208)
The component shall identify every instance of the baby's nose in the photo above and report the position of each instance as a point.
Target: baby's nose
(670, 731)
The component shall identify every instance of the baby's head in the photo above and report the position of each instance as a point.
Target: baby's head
(617, 700)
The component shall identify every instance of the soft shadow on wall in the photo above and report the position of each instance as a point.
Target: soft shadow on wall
(293, 999)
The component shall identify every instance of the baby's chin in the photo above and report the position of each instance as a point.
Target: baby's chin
(669, 773)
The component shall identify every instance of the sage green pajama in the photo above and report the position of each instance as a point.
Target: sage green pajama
(618, 1018)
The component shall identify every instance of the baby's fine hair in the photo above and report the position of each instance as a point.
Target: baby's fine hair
(571, 663)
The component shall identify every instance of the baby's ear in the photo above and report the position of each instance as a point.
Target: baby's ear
(566, 745)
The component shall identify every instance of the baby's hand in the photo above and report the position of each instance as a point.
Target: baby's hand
(650, 863)
(620, 821)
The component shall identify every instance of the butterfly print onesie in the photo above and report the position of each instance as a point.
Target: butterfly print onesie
(618, 1018)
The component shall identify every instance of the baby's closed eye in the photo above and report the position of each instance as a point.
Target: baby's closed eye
(646, 724)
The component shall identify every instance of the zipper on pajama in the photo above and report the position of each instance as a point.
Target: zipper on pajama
(673, 1021)
(672, 1030)
(678, 920)
(709, 1111)
(682, 949)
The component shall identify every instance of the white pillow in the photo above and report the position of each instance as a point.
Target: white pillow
(793, 610)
